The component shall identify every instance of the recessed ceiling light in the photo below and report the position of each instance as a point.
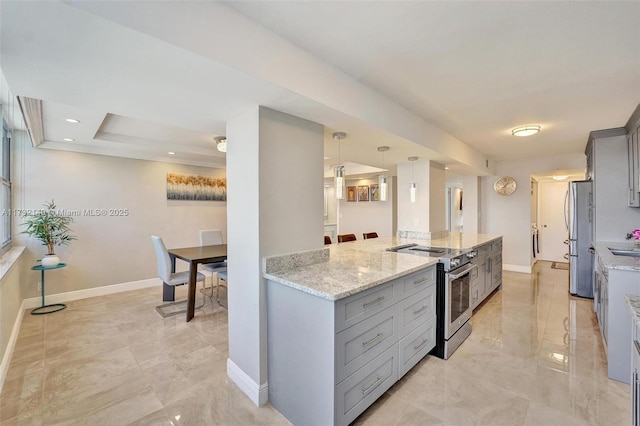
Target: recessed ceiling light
(71, 120)
(446, 167)
(68, 139)
(171, 153)
(560, 177)
(525, 130)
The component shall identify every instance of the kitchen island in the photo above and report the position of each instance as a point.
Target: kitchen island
(344, 323)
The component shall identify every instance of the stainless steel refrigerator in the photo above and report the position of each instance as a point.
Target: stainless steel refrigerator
(578, 216)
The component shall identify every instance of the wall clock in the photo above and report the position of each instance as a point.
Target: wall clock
(506, 185)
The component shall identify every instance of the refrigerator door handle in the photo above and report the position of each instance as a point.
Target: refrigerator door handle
(566, 210)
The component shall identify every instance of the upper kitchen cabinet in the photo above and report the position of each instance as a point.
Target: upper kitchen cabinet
(633, 157)
(607, 154)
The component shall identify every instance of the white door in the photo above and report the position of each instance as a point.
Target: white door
(551, 221)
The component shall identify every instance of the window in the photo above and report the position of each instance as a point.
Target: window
(5, 187)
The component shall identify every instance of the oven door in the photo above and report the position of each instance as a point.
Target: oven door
(457, 298)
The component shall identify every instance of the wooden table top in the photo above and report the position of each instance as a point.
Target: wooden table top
(200, 254)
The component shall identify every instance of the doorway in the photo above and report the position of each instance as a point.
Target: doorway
(551, 227)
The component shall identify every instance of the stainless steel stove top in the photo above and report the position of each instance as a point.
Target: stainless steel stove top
(450, 258)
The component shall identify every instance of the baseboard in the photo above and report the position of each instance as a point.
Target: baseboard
(516, 268)
(259, 394)
(6, 357)
(34, 302)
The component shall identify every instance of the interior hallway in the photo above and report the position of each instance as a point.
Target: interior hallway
(534, 357)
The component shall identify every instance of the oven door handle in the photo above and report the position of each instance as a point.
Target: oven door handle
(465, 271)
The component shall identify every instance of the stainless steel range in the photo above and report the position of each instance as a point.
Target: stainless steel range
(453, 295)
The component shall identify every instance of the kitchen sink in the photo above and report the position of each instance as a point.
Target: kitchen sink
(625, 252)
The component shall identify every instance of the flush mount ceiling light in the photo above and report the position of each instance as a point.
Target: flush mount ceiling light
(171, 153)
(383, 179)
(71, 120)
(68, 139)
(525, 130)
(339, 181)
(221, 143)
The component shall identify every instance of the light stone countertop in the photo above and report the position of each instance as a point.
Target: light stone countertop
(611, 261)
(634, 306)
(359, 265)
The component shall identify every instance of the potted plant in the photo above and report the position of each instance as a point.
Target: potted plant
(51, 229)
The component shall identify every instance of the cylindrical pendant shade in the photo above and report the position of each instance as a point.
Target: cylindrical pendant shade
(383, 183)
(412, 192)
(339, 182)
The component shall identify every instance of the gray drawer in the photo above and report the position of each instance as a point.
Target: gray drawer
(416, 309)
(361, 343)
(475, 294)
(362, 388)
(353, 309)
(416, 345)
(417, 281)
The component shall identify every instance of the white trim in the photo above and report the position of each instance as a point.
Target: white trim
(8, 353)
(517, 268)
(34, 302)
(259, 394)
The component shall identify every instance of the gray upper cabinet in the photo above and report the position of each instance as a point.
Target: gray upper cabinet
(633, 158)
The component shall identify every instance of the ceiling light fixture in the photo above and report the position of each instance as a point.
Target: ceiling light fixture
(68, 139)
(412, 187)
(525, 130)
(560, 177)
(71, 120)
(171, 153)
(221, 143)
(339, 181)
(383, 179)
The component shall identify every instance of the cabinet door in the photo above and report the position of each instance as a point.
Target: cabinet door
(632, 157)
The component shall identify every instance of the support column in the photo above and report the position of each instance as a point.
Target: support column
(470, 201)
(426, 217)
(274, 206)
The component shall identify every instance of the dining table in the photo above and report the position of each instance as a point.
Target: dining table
(194, 256)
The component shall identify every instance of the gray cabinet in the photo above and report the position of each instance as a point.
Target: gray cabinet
(633, 157)
(635, 375)
(330, 360)
(488, 275)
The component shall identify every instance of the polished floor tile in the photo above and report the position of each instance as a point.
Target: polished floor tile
(535, 357)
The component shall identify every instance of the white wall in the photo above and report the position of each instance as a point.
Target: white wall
(471, 203)
(367, 216)
(510, 216)
(87, 181)
(427, 214)
(456, 213)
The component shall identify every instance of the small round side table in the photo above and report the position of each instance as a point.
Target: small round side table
(47, 309)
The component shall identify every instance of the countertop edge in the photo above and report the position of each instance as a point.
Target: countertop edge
(347, 293)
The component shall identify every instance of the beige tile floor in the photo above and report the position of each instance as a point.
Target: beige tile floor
(534, 358)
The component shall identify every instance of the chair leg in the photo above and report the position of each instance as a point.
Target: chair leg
(182, 311)
(218, 294)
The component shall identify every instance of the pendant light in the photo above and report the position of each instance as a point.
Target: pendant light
(221, 143)
(339, 182)
(383, 179)
(412, 187)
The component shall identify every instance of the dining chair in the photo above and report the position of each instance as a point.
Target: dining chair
(171, 278)
(222, 276)
(368, 235)
(327, 240)
(210, 237)
(346, 237)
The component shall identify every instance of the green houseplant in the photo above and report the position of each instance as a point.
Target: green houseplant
(50, 228)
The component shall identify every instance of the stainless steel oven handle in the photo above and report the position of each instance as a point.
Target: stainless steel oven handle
(465, 271)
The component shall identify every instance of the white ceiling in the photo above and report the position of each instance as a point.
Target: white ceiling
(146, 78)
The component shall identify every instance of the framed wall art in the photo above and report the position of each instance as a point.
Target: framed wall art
(363, 193)
(351, 193)
(375, 192)
(194, 187)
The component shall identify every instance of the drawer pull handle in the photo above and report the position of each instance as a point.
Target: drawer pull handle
(372, 386)
(421, 345)
(420, 281)
(419, 310)
(373, 302)
(376, 339)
